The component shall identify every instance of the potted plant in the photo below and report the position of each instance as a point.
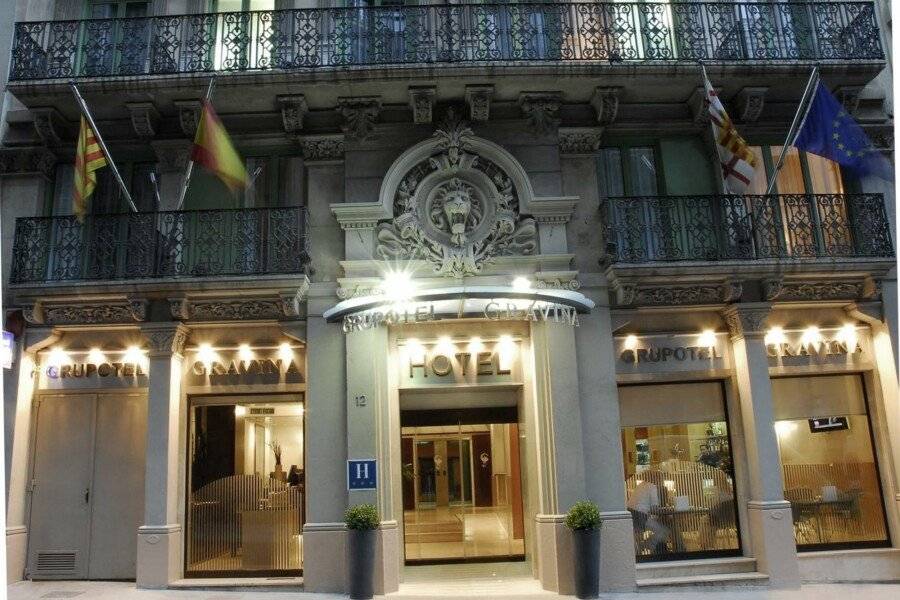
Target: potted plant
(362, 521)
(584, 521)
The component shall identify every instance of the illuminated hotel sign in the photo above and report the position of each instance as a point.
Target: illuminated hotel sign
(812, 344)
(669, 353)
(245, 365)
(87, 370)
(497, 303)
(460, 361)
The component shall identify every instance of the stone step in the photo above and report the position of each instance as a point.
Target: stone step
(716, 580)
(706, 566)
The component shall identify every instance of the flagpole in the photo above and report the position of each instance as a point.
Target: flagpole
(803, 108)
(90, 119)
(190, 167)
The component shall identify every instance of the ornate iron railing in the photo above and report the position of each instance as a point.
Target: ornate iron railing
(254, 241)
(449, 33)
(710, 228)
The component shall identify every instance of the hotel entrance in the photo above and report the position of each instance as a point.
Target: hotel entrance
(462, 490)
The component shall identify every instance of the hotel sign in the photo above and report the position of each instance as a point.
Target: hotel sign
(425, 364)
(227, 368)
(646, 354)
(88, 370)
(494, 303)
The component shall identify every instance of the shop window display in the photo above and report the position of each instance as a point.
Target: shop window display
(678, 471)
(246, 488)
(828, 463)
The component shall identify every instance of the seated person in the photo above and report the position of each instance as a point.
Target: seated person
(643, 498)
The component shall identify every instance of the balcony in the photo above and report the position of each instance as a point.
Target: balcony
(205, 243)
(583, 32)
(257, 258)
(835, 243)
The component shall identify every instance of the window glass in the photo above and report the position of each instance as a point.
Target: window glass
(828, 464)
(643, 171)
(247, 488)
(612, 182)
(790, 177)
(824, 175)
(678, 470)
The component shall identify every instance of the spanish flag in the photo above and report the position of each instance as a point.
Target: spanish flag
(88, 158)
(213, 150)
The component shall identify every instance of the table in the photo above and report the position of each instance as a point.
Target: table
(815, 507)
(678, 521)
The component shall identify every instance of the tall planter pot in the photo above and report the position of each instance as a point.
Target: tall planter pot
(362, 563)
(587, 562)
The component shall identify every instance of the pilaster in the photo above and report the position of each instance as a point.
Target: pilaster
(160, 538)
(22, 387)
(601, 433)
(326, 427)
(769, 514)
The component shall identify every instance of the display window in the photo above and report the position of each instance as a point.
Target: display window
(828, 462)
(246, 486)
(679, 476)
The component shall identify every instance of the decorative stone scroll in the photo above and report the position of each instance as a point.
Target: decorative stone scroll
(456, 209)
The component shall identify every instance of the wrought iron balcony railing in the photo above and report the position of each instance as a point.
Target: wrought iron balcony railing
(711, 228)
(256, 241)
(449, 33)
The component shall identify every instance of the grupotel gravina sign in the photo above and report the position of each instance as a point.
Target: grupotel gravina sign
(495, 303)
(675, 352)
(228, 368)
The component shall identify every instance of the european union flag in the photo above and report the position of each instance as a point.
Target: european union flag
(830, 132)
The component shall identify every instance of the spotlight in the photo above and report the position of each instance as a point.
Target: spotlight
(96, 356)
(245, 354)
(631, 342)
(206, 354)
(58, 357)
(811, 336)
(775, 336)
(285, 352)
(398, 286)
(707, 339)
(521, 284)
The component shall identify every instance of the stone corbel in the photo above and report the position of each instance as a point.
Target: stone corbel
(478, 99)
(180, 308)
(579, 141)
(540, 109)
(750, 102)
(322, 148)
(188, 116)
(359, 115)
(626, 294)
(33, 313)
(421, 102)
(144, 118)
(292, 301)
(605, 101)
(747, 320)
(49, 125)
(732, 291)
(867, 312)
(27, 161)
(39, 338)
(848, 96)
(293, 109)
(165, 339)
(172, 156)
(553, 210)
(697, 103)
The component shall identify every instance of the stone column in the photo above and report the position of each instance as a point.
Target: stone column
(602, 434)
(20, 392)
(172, 158)
(324, 558)
(769, 514)
(559, 447)
(160, 538)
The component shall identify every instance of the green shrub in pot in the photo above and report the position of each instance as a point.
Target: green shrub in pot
(584, 521)
(362, 521)
(362, 516)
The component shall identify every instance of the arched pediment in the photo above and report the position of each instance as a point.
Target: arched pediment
(456, 201)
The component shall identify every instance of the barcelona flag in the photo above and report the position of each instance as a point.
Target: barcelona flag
(829, 131)
(88, 158)
(213, 149)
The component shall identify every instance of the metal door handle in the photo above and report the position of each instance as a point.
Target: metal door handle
(87, 495)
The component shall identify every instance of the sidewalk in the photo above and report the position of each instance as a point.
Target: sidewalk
(93, 590)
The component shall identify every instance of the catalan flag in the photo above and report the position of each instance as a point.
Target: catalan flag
(213, 150)
(735, 157)
(88, 158)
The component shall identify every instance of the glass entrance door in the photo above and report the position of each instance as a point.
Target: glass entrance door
(462, 493)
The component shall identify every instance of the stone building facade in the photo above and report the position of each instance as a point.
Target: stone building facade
(486, 269)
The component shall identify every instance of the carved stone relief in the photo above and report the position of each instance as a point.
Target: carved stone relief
(25, 161)
(421, 101)
(478, 99)
(293, 108)
(359, 116)
(188, 116)
(579, 140)
(322, 147)
(606, 104)
(456, 209)
(750, 102)
(540, 109)
(144, 118)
